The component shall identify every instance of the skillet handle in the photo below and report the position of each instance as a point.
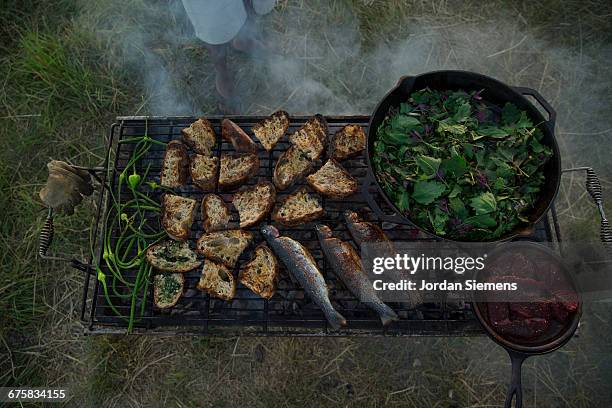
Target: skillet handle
(552, 114)
(593, 187)
(375, 207)
(515, 391)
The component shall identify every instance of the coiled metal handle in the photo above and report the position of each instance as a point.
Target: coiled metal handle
(593, 187)
(46, 235)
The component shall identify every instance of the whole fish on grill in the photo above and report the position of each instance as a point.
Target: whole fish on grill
(347, 265)
(302, 266)
(364, 232)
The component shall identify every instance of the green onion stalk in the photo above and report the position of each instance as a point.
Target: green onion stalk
(129, 231)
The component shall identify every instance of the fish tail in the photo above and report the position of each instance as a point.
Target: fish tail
(335, 319)
(386, 314)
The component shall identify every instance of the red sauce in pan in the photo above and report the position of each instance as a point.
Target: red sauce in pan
(547, 302)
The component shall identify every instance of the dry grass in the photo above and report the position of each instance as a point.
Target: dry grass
(335, 57)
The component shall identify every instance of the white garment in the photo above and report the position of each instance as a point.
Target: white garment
(218, 21)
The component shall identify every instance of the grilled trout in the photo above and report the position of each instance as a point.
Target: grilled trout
(347, 265)
(302, 266)
(363, 231)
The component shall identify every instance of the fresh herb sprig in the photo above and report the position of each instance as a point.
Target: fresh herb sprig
(458, 166)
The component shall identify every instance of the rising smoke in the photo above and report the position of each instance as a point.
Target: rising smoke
(319, 61)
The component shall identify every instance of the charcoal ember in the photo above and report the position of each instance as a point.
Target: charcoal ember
(525, 328)
(527, 310)
(498, 312)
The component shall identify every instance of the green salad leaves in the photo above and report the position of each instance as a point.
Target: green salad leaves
(459, 166)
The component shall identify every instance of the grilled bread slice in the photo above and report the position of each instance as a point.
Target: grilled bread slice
(311, 138)
(167, 289)
(224, 246)
(237, 137)
(217, 280)
(237, 169)
(270, 130)
(200, 136)
(298, 208)
(215, 213)
(291, 166)
(172, 256)
(204, 171)
(333, 180)
(261, 273)
(174, 171)
(347, 142)
(254, 203)
(177, 215)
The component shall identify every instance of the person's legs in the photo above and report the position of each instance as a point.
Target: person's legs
(224, 82)
(247, 40)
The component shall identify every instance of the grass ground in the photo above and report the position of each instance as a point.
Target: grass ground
(69, 66)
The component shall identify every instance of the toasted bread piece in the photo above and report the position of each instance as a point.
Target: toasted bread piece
(332, 180)
(261, 273)
(224, 246)
(215, 213)
(167, 289)
(298, 208)
(254, 203)
(172, 256)
(217, 280)
(311, 138)
(200, 136)
(237, 169)
(204, 171)
(237, 137)
(177, 215)
(291, 166)
(270, 130)
(348, 142)
(174, 171)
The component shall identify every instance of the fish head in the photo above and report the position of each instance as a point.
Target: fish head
(351, 216)
(323, 231)
(270, 232)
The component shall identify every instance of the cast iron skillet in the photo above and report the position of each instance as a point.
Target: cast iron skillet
(494, 92)
(518, 352)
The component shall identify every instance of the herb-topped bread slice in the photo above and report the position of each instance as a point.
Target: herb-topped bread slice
(200, 136)
(177, 215)
(291, 166)
(261, 273)
(298, 208)
(237, 137)
(237, 169)
(174, 171)
(172, 256)
(224, 246)
(272, 129)
(204, 171)
(333, 180)
(167, 289)
(311, 138)
(254, 203)
(217, 280)
(215, 213)
(348, 142)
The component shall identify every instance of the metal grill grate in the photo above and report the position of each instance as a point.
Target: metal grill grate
(289, 312)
